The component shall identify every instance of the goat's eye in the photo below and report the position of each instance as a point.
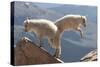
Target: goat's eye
(83, 20)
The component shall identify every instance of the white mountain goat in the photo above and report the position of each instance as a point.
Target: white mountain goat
(71, 22)
(67, 22)
(43, 28)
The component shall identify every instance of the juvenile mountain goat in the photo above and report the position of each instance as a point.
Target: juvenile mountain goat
(71, 22)
(67, 22)
(43, 28)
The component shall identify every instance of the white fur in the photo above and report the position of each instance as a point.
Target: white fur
(67, 22)
(45, 28)
(71, 22)
(41, 27)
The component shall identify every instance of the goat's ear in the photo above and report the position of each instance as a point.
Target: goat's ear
(26, 21)
(84, 17)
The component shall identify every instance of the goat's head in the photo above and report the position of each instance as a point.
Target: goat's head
(26, 25)
(84, 20)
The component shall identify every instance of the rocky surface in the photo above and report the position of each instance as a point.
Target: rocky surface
(27, 53)
(91, 56)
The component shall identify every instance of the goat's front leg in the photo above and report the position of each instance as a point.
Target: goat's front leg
(81, 33)
(57, 53)
(40, 41)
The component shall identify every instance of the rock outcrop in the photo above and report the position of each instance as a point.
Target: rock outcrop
(26, 53)
(91, 56)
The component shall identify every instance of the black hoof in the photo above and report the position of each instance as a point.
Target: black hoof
(39, 46)
(56, 56)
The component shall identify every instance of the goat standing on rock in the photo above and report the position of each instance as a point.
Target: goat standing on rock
(42, 28)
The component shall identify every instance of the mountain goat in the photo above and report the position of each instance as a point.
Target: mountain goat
(71, 22)
(43, 28)
(67, 22)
